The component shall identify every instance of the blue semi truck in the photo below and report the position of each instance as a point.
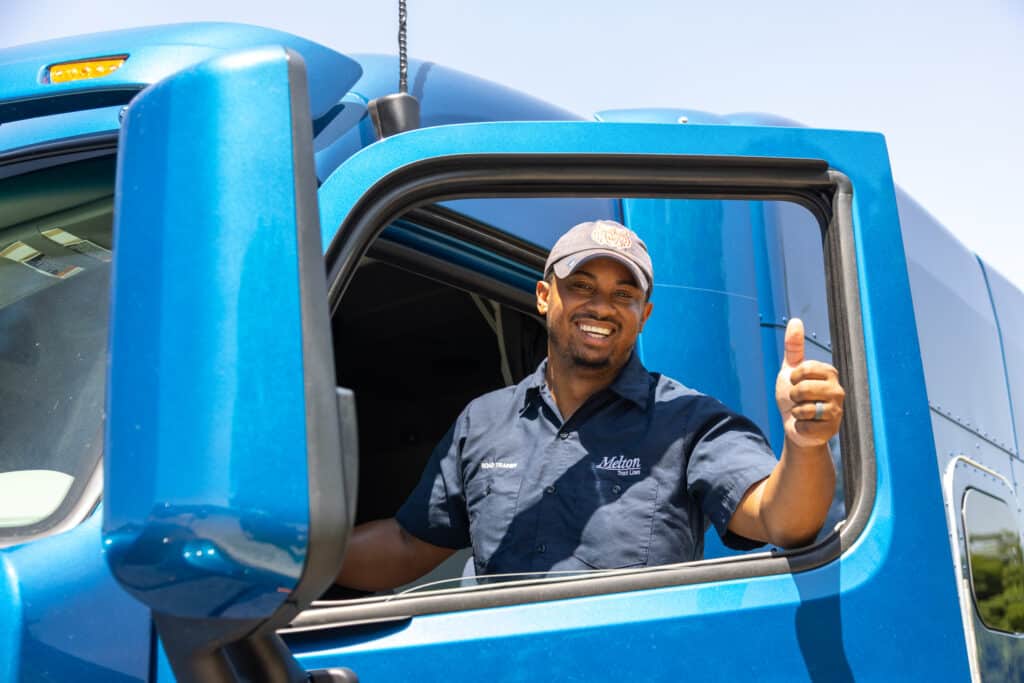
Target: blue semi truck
(209, 258)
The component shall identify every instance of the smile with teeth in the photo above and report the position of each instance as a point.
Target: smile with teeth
(595, 330)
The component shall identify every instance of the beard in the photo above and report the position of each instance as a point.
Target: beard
(575, 355)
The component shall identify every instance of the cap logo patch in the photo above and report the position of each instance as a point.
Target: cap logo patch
(612, 236)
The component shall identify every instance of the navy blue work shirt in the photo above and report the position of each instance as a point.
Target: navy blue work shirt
(627, 481)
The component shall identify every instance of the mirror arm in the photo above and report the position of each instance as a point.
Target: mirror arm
(259, 657)
(265, 658)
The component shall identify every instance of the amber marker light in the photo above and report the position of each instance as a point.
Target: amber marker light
(83, 69)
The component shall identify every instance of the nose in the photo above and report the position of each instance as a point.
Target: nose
(601, 306)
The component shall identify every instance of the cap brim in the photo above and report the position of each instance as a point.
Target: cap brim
(563, 269)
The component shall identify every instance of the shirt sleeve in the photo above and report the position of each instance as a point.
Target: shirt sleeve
(729, 454)
(435, 511)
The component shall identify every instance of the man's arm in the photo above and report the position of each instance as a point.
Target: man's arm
(382, 555)
(788, 508)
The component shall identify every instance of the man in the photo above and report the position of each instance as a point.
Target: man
(593, 462)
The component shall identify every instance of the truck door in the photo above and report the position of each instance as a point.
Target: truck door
(815, 613)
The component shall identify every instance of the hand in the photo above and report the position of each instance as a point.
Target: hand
(800, 387)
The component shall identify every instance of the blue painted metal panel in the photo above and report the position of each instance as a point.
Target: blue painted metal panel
(677, 115)
(450, 96)
(956, 326)
(706, 331)
(446, 96)
(661, 115)
(156, 52)
(769, 259)
(824, 623)
(11, 619)
(207, 505)
(803, 270)
(60, 611)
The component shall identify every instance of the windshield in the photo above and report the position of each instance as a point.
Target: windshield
(55, 258)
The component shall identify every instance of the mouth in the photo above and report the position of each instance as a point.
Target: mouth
(595, 330)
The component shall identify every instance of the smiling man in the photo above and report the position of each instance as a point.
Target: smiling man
(593, 462)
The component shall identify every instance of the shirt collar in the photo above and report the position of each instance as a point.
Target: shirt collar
(633, 383)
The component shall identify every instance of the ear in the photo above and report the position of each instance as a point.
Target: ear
(648, 307)
(543, 292)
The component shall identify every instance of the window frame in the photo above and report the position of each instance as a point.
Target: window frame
(812, 183)
(969, 567)
(86, 491)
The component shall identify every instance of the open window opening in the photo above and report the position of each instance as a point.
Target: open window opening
(826, 199)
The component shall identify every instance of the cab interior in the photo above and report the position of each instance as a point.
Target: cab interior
(416, 348)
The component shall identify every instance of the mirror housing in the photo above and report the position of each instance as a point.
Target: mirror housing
(230, 458)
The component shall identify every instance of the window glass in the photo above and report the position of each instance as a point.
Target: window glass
(997, 567)
(55, 258)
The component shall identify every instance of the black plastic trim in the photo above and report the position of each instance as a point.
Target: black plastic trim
(826, 192)
(329, 523)
(67, 150)
(62, 104)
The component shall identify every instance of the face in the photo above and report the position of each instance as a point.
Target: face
(594, 315)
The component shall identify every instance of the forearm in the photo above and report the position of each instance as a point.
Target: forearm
(381, 555)
(795, 498)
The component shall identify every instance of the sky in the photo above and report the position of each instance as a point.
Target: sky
(942, 80)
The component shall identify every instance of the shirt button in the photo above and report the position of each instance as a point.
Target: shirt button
(616, 489)
(563, 435)
(541, 548)
(550, 489)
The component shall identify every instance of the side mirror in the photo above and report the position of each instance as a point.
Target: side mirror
(230, 457)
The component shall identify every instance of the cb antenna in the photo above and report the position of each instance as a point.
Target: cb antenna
(403, 52)
(400, 111)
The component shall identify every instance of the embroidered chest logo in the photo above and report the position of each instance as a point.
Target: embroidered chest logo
(625, 467)
(493, 465)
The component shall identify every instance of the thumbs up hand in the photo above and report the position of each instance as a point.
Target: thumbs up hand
(808, 393)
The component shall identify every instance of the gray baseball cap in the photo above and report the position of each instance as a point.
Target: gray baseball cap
(594, 239)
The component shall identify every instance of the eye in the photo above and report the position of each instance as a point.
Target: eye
(582, 286)
(624, 295)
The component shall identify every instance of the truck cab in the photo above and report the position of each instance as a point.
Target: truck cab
(235, 324)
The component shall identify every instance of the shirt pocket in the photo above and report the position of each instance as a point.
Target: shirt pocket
(491, 513)
(618, 533)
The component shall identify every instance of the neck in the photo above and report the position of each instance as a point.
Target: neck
(571, 385)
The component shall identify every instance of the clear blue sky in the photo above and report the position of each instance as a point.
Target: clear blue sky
(943, 80)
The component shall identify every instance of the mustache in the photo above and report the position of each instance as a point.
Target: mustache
(591, 316)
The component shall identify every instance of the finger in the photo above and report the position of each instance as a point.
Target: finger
(830, 412)
(794, 342)
(818, 431)
(816, 390)
(814, 369)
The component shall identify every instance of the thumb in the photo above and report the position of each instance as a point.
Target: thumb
(794, 342)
